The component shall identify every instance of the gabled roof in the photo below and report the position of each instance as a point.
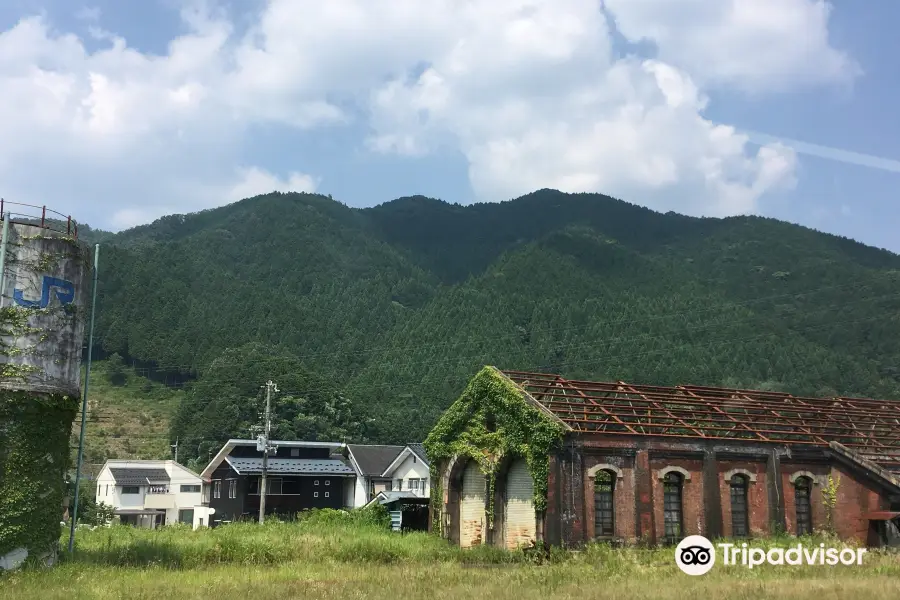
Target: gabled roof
(233, 443)
(290, 466)
(131, 476)
(408, 450)
(373, 460)
(419, 449)
(868, 427)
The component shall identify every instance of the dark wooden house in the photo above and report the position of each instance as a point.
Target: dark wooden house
(299, 476)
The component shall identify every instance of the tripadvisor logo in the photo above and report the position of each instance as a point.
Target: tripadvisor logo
(695, 555)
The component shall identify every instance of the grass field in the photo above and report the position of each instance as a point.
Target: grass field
(332, 558)
(130, 420)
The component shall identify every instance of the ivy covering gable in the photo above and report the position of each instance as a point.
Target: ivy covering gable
(489, 422)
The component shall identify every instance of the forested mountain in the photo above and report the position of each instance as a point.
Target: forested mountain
(375, 318)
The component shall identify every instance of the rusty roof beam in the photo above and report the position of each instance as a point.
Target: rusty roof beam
(735, 421)
(665, 410)
(857, 402)
(866, 416)
(603, 408)
(716, 416)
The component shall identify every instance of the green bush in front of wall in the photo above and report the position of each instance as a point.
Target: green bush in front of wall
(492, 421)
(34, 453)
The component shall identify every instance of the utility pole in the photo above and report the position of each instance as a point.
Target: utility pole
(175, 446)
(84, 403)
(263, 444)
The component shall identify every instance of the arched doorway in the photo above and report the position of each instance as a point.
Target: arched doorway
(519, 516)
(472, 506)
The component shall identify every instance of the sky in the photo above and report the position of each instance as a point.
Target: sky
(120, 112)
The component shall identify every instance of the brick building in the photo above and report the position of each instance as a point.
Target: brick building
(655, 464)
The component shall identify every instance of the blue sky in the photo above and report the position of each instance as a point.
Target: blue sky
(121, 112)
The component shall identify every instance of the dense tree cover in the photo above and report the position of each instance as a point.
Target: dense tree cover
(396, 307)
(228, 401)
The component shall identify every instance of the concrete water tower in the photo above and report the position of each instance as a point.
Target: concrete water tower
(44, 297)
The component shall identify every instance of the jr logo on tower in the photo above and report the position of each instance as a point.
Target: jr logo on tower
(65, 293)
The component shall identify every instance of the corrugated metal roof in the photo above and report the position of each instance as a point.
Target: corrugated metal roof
(131, 476)
(290, 466)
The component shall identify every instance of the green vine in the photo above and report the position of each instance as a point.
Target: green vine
(492, 421)
(35, 429)
(829, 500)
(437, 498)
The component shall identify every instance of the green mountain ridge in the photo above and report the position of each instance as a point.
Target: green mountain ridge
(399, 304)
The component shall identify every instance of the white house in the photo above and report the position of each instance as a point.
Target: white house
(151, 493)
(388, 468)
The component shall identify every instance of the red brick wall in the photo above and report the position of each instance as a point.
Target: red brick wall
(551, 515)
(757, 496)
(854, 501)
(790, 507)
(639, 496)
(691, 495)
(623, 498)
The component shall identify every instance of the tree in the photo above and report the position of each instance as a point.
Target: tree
(115, 369)
(228, 400)
(91, 512)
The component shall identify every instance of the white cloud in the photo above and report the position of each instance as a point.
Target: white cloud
(245, 182)
(757, 45)
(254, 181)
(528, 90)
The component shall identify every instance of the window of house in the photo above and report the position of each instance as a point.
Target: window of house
(217, 488)
(327, 482)
(232, 488)
(98, 489)
(274, 486)
(295, 452)
(315, 494)
(672, 516)
(399, 485)
(190, 489)
(131, 489)
(107, 490)
(414, 485)
(740, 521)
(604, 507)
(186, 516)
(327, 494)
(802, 491)
(316, 482)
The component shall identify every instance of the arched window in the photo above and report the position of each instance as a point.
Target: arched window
(604, 508)
(802, 493)
(672, 485)
(740, 520)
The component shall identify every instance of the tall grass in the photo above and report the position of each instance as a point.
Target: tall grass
(331, 554)
(321, 536)
(328, 536)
